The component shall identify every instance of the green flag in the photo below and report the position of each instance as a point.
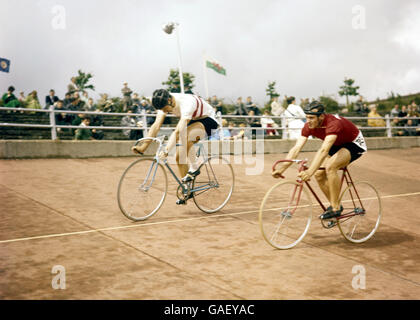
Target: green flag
(212, 64)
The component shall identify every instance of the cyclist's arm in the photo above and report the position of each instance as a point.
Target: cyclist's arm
(154, 129)
(181, 126)
(293, 153)
(321, 154)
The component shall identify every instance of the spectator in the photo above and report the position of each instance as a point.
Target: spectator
(132, 121)
(232, 131)
(9, 99)
(223, 133)
(374, 114)
(410, 128)
(21, 98)
(72, 87)
(304, 102)
(268, 122)
(253, 122)
(32, 102)
(294, 121)
(136, 101)
(90, 105)
(85, 97)
(105, 104)
(240, 108)
(358, 106)
(395, 111)
(61, 118)
(217, 104)
(241, 133)
(276, 108)
(77, 104)
(395, 131)
(252, 106)
(413, 113)
(403, 114)
(51, 99)
(97, 121)
(67, 101)
(127, 101)
(83, 133)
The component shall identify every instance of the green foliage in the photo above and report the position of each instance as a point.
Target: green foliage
(331, 106)
(173, 83)
(271, 90)
(348, 90)
(82, 80)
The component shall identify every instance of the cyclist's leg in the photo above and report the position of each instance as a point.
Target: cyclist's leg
(339, 160)
(195, 132)
(321, 178)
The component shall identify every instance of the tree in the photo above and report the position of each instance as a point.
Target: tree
(82, 80)
(331, 106)
(173, 82)
(348, 90)
(271, 90)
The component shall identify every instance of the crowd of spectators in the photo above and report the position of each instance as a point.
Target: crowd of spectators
(255, 117)
(401, 123)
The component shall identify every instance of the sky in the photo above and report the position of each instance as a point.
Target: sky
(307, 46)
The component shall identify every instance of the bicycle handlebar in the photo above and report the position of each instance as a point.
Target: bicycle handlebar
(158, 140)
(297, 161)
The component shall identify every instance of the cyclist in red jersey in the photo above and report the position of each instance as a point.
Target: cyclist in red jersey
(343, 143)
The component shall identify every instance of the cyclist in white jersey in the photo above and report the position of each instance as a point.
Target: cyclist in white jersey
(197, 117)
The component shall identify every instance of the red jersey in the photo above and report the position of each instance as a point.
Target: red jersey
(345, 130)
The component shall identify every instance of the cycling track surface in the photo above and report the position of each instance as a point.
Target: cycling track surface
(65, 212)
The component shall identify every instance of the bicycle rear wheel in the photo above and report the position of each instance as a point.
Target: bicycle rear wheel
(285, 214)
(142, 189)
(215, 184)
(362, 202)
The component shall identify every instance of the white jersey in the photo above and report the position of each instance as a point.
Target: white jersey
(191, 106)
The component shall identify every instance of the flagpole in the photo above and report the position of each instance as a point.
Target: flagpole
(181, 75)
(206, 86)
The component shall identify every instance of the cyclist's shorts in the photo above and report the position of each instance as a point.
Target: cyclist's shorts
(208, 123)
(355, 151)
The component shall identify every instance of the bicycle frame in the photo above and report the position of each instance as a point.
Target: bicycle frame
(345, 177)
(158, 161)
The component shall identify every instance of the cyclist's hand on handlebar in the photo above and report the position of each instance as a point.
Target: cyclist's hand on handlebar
(163, 154)
(277, 174)
(305, 175)
(137, 150)
(141, 148)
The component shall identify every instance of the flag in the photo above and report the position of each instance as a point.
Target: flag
(212, 64)
(4, 65)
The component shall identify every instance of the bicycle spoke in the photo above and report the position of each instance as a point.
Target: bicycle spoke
(139, 201)
(295, 207)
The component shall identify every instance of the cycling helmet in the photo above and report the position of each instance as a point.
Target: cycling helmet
(160, 98)
(314, 105)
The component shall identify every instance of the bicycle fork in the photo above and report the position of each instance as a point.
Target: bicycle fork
(145, 186)
(293, 203)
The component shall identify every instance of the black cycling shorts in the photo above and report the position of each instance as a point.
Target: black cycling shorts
(355, 151)
(208, 123)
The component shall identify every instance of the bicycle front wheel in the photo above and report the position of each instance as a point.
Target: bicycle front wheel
(142, 189)
(362, 212)
(285, 214)
(214, 185)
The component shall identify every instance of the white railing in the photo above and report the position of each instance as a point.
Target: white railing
(283, 119)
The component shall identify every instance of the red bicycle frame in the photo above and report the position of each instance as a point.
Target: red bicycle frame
(345, 177)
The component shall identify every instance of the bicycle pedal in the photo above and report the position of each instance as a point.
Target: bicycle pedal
(181, 202)
(331, 224)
